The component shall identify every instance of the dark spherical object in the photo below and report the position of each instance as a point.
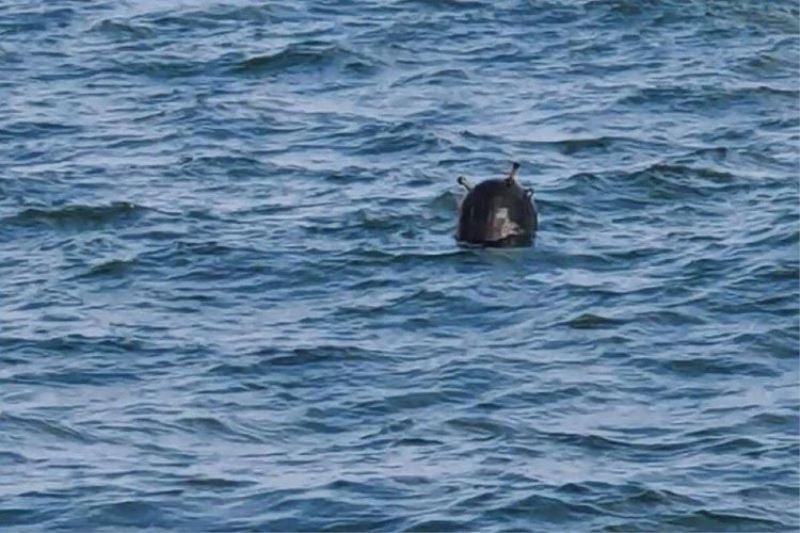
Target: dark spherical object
(497, 212)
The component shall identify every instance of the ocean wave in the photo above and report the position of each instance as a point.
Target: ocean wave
(78, 216)
(308, 55)
(124, 30)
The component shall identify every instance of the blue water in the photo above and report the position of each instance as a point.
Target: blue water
(230, 297)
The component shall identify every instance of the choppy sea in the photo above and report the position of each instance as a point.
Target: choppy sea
(230, 296)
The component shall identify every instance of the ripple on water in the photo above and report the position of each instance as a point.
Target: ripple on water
(77, 217)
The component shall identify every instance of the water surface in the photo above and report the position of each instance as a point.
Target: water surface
(230, 298)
